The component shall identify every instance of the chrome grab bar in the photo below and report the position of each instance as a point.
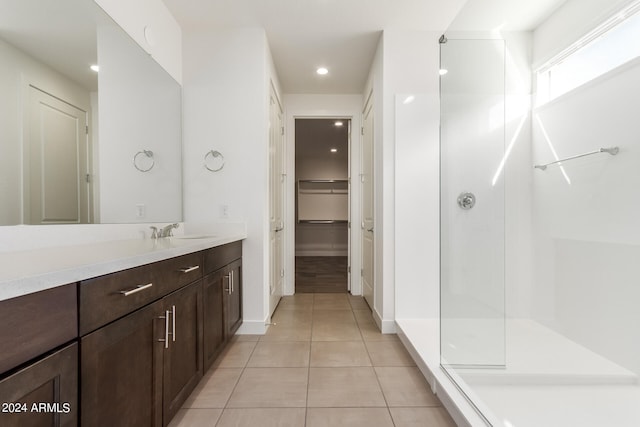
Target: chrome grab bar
(611, 150)
(135, 290)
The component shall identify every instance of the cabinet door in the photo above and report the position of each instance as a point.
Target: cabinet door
(214, 324)
(121, 371)
(183, 357)
(51, 384)
(233, 295)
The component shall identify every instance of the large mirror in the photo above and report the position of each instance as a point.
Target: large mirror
(80, 145)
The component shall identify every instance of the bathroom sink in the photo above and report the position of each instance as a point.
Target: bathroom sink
(195, 236)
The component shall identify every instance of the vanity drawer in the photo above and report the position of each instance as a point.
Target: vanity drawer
(174, 273)
(110, 297)
(33, 324)
(218, 257)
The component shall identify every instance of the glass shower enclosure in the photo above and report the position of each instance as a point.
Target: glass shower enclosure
(472, 204)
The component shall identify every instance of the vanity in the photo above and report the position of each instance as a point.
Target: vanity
(123, 343)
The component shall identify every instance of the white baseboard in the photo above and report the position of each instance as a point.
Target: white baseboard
(252, 327)
(386, 326)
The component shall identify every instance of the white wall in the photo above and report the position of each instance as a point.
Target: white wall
(416, 174)
(226, 96)
(331, 106)
(587, 238)
(18, 71)
(587, 234)
(152, 26)
(406, 63)
(140, 109)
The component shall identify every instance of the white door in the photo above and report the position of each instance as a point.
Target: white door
(276, 199)
(57, 162)
(366, 209)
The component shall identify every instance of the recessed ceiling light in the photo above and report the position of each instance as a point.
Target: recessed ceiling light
(322, 71)
(338, 123)
(95, 68)
(443, 71)
(334, 150)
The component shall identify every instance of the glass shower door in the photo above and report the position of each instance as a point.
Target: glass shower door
(472, 282)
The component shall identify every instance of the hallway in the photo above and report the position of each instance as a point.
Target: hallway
(322, 363)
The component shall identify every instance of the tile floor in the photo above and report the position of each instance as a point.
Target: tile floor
(323, 363)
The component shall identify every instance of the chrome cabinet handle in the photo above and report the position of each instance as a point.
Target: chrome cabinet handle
(228, 277)
(173, 332)
(135, 290)
(165, 340)
(189, 269)
(232, 282)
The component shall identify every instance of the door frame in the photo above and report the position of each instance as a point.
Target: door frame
(314, 110)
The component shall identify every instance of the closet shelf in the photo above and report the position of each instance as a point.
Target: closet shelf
(322, 201)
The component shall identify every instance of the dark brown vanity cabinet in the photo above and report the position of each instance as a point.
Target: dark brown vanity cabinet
(182, 356)
(124, 349)
(222, 298)
(121, 371)
(39, 359)
(233, 298)
(138, 369)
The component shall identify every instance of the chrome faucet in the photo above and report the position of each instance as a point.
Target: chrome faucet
(166, 231)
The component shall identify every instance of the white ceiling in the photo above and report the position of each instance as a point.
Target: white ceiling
(341, 35)
(503, 15)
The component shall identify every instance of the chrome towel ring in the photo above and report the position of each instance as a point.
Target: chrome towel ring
(142, 164)
(215, 159)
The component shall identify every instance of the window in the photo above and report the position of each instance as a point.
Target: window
(612, 44)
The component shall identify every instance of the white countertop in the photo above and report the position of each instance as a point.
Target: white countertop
(25, 272)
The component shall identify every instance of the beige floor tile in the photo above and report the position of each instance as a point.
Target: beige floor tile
(344, 387)
(268, 354)
(331, 302)
(405, 386)
(339, 353)
(388, 353)
(421, 417)
(337, 316)
(292, 317)
(288, 332)
(238, 337)
(370, 332)
(363, 316)
(335, 331)
(270, 388)
(214, 389)
(235, 355)
(296, 302)
(263, 417)
(348, 417)
(196, 418)
(358, 303)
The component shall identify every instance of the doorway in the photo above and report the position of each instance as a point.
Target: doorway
(322, 205)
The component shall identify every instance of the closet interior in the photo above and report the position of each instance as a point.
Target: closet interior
(322, 205)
